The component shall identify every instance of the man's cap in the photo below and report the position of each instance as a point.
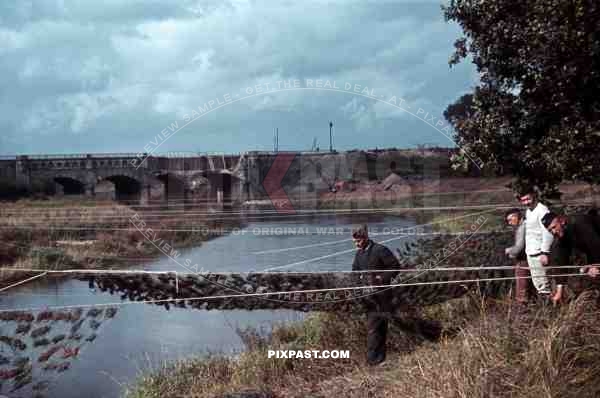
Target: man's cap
(548, 218)
(514, 210)
(360, 231)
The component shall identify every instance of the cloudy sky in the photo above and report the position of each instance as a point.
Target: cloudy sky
(109, 76)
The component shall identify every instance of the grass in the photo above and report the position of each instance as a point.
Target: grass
(253, 370)
(461, 221)
(548, 353)
(49, 234)
(486, 350)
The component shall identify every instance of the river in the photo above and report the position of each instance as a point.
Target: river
(141, 336)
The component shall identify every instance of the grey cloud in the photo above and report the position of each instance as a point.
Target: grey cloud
(108, 76)
(19, 13)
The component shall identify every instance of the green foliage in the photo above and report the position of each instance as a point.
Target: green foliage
(536, 111)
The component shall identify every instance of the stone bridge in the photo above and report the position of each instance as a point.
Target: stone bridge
(211, 177)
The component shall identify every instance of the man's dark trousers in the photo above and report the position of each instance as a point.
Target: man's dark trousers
(377, 326)
(378, 317)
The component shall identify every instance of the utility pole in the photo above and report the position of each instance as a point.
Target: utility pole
(330, 136)
(276, 140)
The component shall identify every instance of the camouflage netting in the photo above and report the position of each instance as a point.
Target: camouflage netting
(37, 346)
(484, 250)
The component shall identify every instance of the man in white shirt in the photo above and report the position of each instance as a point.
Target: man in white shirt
(537, 240)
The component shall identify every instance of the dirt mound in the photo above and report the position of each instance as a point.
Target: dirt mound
(391, 180)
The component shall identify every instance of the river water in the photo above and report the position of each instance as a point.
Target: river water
(142, 337)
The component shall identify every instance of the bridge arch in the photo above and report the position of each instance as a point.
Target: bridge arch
(70, 185)
(126, 188)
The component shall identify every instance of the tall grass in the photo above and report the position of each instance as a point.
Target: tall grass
(253, 370)
(547, 353)
(48, 235)
(487, 350)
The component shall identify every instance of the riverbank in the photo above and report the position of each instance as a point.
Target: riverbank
(465, 348)
(60, 234)
(472, 346)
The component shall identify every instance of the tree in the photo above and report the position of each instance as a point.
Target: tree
(536, 110)
(461, 110)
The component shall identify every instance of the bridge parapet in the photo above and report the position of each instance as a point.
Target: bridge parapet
(78, 163)
(65, 156)
(75, 161)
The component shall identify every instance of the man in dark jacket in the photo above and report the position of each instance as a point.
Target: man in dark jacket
(581, 232)
(369, 257)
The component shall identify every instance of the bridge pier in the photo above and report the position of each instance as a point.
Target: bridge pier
(145, 194)
(90, 190)
(22, 173)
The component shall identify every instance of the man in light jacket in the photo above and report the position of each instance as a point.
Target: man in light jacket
(514, 218)
(537, 241)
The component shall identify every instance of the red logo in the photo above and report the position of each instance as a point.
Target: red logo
(272, 183)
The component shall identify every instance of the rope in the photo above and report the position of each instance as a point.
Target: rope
(234, 216)
(383, 241)
(183, 274)
(190, 201)
(23, 281)
(379, 234)
(310, 211)
(112, 208)
(119, 303)
(350, 250)
(386, 286)
(183, 223)
(190, 212)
